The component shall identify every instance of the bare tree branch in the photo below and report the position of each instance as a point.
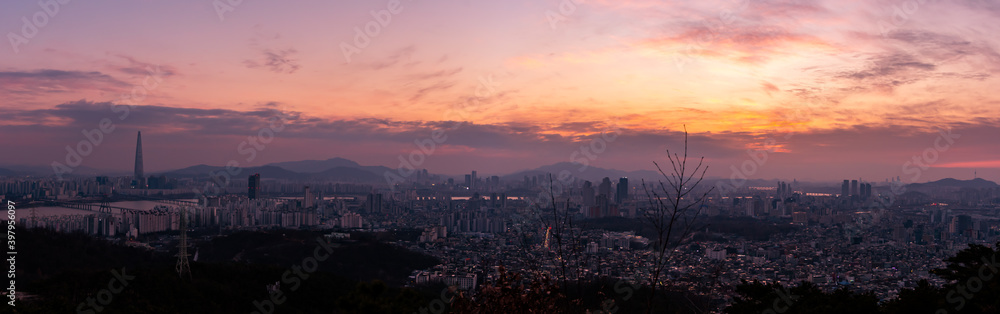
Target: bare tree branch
(673, 209)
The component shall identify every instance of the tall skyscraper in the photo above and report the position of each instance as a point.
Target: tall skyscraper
(307, 198)
(854, 187)
(253, 186)
(474, 181)
(844, 188)
(374, 203)
(622, 191)
(588, 194)
(605, 187)
(139, 180)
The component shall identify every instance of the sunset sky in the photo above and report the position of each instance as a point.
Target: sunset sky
(846, 89)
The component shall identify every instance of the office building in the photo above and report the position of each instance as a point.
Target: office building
(587, 193)
(622, 191)
(605, 187)
(253, 186)
(374, 203)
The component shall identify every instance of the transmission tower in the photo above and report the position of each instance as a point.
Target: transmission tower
(183, 268)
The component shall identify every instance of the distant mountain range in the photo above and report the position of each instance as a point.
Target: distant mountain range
(329, 165)
(977, 183)
(345, 170)
(308, 170)
(23, 170)
(589, 173)
(342, 170)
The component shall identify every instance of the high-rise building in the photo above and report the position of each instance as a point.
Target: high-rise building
(844, 188)
(139, 179)
(474, 181)
(854, 187)
(603, 205)
(622, 191)
(374, 203)
(587, 192)
(307, 199)
(253, 186)
(351, 220)
(468, 181)
(605, 187)
(475, 202)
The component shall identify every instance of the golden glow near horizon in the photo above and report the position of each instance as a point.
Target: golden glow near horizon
(723, 68)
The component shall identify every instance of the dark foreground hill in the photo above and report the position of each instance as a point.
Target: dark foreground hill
(63, 272)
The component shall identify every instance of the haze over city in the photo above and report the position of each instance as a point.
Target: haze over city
(516, 156)
(845, 89)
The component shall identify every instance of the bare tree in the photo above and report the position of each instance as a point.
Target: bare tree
(674, 206)
(561, 230)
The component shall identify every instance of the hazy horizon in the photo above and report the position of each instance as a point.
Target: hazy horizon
(842, 90)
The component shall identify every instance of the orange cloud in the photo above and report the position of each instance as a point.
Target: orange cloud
(744, 45)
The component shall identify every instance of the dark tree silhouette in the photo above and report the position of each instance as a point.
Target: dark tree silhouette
(674, 206)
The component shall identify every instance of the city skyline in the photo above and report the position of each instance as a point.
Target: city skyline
(520, 156)
(839, 88)
(984, 172)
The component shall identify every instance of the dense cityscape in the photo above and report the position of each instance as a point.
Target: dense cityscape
(872, 236)
(495, 157)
